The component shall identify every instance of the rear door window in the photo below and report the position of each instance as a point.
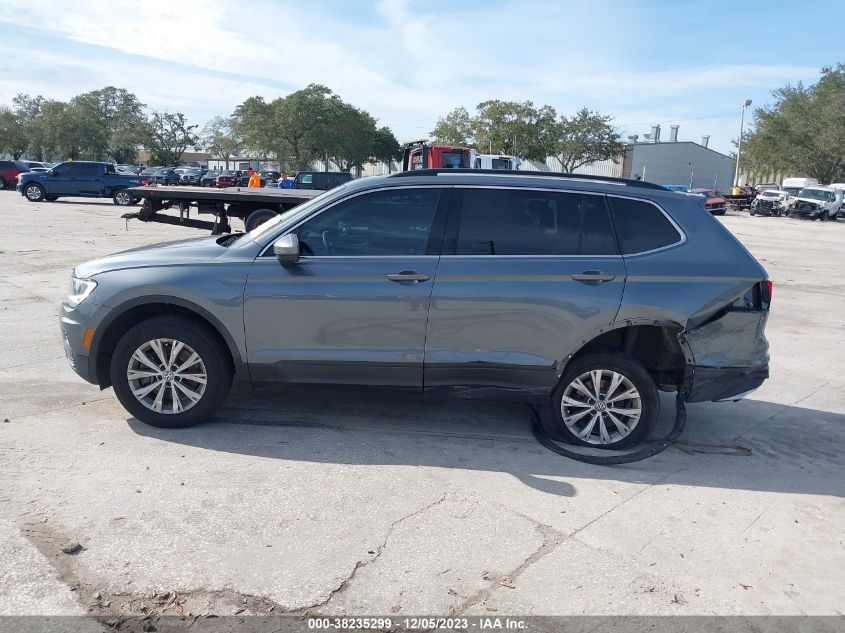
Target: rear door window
(641, 226)
(530, 222)
(86, 169)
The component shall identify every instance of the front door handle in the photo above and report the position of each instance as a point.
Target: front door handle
(408, 275)
(595, 276)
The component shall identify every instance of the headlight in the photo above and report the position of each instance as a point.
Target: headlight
(79, 290)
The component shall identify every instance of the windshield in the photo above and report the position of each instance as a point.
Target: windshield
(816, 194)
(792, 191)
(454, 160)
(770, 194)
(295, 214)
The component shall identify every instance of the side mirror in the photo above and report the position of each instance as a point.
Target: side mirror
(286, 249)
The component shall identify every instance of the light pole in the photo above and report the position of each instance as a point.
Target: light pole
(739, 143)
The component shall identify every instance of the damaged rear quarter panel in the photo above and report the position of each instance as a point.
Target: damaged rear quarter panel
(736, 339)
(694, 285)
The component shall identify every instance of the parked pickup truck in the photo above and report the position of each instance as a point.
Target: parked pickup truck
(79, 179)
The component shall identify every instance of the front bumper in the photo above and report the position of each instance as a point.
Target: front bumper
(73, 334)
(724, 383)
(806, 212)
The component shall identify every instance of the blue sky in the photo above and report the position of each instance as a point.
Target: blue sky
(408, 62)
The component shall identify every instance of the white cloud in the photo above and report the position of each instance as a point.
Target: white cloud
(406, 62)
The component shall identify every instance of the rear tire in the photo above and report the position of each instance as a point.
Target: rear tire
(144, 358)
(619, 414)
(123, 198)
(258, 217)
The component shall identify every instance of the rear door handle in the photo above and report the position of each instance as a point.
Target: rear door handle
(596, 276)
(408, 275)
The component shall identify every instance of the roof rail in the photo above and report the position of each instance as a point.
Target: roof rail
(533, 174)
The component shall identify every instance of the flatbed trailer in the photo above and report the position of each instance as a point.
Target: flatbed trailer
(253, 205)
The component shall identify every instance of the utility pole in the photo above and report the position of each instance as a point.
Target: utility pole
(739, 142)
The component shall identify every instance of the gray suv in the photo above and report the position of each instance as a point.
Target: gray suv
(591, 294)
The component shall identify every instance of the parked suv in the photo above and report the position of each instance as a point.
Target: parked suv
(320, 179)
(498, 284)
(9, 170)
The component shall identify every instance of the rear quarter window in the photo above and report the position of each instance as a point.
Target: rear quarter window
(641, 226)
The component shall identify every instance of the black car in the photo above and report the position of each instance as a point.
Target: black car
(320, 179)
(269, 177)
(148, 172)
(191, 176)
(209, 178)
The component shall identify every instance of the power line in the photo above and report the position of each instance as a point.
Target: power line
(695, 118)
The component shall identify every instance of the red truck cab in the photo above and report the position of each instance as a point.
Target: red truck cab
(423, 155)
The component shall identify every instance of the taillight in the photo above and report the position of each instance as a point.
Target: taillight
(769, 288)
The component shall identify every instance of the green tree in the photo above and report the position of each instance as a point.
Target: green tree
(168, 135)
(513, 128)
(28, 111)
(803, 132)
(61, 130)
(305, 121)
(218, 138)
(13, 139)
(254, 125)
(453, 129)
(585, 138)
(385, 146)
(118, 116)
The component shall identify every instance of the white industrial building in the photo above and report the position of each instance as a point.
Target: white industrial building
(663, 162)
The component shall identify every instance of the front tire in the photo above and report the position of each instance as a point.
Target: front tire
(604, 400)
(34, 192)
(170, 372)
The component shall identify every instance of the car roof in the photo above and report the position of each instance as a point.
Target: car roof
(517, 179)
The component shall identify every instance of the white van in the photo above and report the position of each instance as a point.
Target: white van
(793, 186)
(493, 161)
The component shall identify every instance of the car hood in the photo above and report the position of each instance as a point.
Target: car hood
(192, 251)
(813, 200)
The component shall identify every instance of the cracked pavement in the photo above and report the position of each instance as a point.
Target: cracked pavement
(346, 502)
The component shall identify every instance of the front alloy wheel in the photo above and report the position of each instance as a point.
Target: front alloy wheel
(167, 376)
(34, 193)
(171, 371)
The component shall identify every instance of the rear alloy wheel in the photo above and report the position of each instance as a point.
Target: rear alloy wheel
(170, 372)
(605, 400)
(123, 198)
(33, 192)
(258, 217)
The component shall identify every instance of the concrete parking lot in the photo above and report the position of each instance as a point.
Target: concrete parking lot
(336, 501)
